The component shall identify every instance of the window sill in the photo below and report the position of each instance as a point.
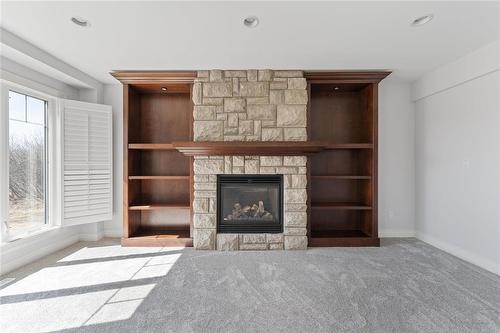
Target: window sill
(44, 229)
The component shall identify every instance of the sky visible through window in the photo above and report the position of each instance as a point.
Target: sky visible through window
(27, 163)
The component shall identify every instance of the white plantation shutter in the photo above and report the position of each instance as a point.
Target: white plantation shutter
(86, 163)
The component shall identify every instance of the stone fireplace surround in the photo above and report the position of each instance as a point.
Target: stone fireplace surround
(250, 105)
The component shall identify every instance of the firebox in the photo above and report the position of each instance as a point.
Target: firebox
(250, 203)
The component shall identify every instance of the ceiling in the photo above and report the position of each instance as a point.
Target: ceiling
(291, 35)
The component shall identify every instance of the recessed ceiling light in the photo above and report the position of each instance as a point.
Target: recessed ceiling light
(336, 88)
(251, 22)
(422, 20)
(80, 22)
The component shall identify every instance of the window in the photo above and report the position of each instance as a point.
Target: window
(56, 162)
(27, 210)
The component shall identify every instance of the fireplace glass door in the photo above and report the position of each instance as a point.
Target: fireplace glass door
(249, 204)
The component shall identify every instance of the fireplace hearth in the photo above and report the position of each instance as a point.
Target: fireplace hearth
(250, 203)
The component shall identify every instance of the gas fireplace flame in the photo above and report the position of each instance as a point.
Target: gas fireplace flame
(254, 212)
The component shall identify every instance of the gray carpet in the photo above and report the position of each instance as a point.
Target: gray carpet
(403, 286)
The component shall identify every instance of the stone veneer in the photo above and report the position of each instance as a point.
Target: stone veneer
(293, 169)
(253, 105)
(250, 105)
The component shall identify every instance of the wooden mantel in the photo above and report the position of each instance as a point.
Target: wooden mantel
(197, 148)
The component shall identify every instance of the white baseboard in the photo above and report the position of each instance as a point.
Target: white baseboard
(24, 251)
(456, 251)
(91, 237)
(395, 233)
(113, 233)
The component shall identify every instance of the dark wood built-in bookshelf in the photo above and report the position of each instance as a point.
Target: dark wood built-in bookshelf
(342, 191)
(342, 163)
(157, 178)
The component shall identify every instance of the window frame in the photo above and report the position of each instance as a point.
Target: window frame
(51, 165)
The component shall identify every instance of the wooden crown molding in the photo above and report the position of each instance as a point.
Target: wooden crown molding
(179, 77)
(346, 76)
(152, 77)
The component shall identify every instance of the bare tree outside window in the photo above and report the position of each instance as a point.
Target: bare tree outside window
(27, 163)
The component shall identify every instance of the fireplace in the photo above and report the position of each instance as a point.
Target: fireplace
(250, 203)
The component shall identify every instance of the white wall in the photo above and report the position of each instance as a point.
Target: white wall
(396, 159)
(23, 251)
(20, 252)
(396, 165)
(16, 73)
(23, 52)
(458, 157)
(113, 95)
